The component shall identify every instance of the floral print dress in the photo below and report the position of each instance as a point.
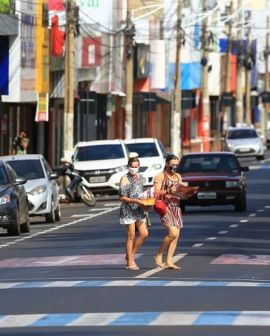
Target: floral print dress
(173, 216)
(131, 212)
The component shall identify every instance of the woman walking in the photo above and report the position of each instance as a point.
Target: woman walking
(132, 213)
(165, 185)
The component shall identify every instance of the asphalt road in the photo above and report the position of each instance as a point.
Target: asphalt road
(70, 278)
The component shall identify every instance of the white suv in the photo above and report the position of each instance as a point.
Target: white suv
(102, 163)
(151, 153)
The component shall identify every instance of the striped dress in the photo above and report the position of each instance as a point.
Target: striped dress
(173, 216)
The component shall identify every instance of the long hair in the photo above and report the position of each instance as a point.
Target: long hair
(133, 159)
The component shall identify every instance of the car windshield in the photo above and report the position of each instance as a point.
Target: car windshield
(143, 149)
(3, 176)
(28, 169)
(199, 164)
(242, 134)
(99, 152)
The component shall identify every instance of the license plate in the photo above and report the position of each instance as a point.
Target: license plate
(97, 179)
(243, 150)
(210, 195)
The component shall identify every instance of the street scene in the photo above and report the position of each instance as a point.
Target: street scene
(134, 167)
(69, 278)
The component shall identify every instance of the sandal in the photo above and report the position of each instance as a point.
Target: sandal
(133, 267)
(172, 267)
(158, 262)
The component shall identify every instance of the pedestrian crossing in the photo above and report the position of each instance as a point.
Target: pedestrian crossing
(172, 318)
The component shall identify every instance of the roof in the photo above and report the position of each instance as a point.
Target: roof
(99, 142)
(139, 140)
(21, 157)
(209, 154)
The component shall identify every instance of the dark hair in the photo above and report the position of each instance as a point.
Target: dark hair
(133, 159)
(171, 157)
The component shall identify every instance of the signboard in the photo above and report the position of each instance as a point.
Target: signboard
(42, 113)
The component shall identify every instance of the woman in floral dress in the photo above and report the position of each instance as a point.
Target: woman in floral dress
(165, 185)
(132, 213)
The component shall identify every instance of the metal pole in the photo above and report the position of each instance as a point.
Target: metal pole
(129, 32)
(267, 82)
(69, 80)
(205, 93)
(239, 89)
(248, 78)
(176, 142)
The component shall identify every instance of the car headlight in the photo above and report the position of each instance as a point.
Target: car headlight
(185, 184)
(4, 199)
(38, 190)
(118, 169)
(232, 184)
(156, 166)
(230, 145)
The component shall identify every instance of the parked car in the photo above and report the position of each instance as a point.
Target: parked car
(14, 214)
(219, 177)
(102, 163)
(151, 153)
(41, 186)
(244, 141)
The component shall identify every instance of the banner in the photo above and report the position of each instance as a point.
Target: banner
(42, 113)
(4, 65)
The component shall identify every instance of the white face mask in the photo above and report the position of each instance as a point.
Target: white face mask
(133, 171)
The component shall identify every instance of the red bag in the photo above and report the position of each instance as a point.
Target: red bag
(160, 207)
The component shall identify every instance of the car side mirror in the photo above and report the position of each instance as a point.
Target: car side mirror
(53, 176)
(19, 181)
(244, 169)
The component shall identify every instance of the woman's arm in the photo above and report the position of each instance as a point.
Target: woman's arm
(158, 184)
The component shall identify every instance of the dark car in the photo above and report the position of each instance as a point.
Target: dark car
(14, 214)
(219, 177)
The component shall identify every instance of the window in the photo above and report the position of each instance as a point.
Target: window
(29, 169)
(143, 149)
(242, 134)
(99, 152)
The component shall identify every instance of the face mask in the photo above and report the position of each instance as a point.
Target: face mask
(133, 171)
(172, 168)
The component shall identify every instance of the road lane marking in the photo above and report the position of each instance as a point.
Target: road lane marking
(252, 215)
(131, 283)
(234, 226)
(198, 245)
(260, 210)
(58, 227)
(223, 232)
(151, 318)
(243, 221)
(176, 258)
(211, 238)
(267, 206)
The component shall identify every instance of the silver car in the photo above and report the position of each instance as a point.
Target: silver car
(41, 186)
(244, 141)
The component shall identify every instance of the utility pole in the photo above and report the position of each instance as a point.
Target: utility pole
(205, 93)
(176, 135)
(69, 79)
(264, 115)
(227, 107)
(239, 84)
(129, 34)
(248, 67)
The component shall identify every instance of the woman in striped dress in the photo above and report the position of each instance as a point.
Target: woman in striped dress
(165, 185)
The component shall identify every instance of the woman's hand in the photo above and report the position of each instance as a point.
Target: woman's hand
(172, 189)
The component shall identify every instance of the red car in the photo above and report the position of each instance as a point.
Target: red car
(219, 177)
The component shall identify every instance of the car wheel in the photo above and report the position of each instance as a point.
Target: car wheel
(260, 157)
(50, 217)
(15, 228)
(241, 204)
(57, 213)
(182, 207)
(25, 227)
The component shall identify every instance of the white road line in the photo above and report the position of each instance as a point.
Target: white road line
(234, 226)
(97, 209)
(252, 215)
(112, 204)
(223, 232)
(243, 220)
(81, 215)
(159, 269)
(58, 227)
(198, 245)
(267, 206)
(260, 210)
(211, 238)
